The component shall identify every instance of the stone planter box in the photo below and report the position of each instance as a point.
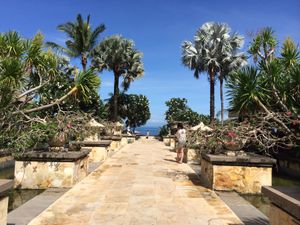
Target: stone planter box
(285, 205)
(115, 142)
(99, 150)
(40, 170)
(244, 174)
(130, 138)
(5, 185)
(167, 140)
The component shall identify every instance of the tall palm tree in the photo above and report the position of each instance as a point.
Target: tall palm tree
(118, 55)
(212, 43)
(232, 62)
(82, 39)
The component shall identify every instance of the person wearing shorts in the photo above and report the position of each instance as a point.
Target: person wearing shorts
(181, 138)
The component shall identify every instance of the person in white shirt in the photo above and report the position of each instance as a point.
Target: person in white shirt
(181, 138)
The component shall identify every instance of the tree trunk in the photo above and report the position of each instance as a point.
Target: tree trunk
(83, 61)
(212, 95)
(115, 97)
(74, 89)
(222, 98)
(271, 115)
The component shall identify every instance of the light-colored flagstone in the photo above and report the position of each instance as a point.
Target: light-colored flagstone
(143, 185)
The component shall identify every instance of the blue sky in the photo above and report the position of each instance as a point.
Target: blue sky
(158, 29)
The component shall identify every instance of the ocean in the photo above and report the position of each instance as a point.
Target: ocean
(152, 130)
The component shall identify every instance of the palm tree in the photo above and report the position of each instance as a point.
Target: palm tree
(232, 62)
(81, 39)
(212, 43)
(118, 55)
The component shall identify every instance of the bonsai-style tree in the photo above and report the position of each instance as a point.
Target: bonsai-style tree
(213, 51)
(118, 55)
(82, 39)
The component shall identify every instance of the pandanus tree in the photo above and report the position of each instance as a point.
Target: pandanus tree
(214, 51)
(272, 87)
(118, 55)
(81, 39)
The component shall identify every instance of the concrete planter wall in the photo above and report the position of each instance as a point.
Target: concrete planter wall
(40, 170)
(285, 205)
(5, 185)
(244, 174)
(115, 142)
(169, 140)
(99, 150)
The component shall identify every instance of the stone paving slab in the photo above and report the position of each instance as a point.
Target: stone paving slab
(141, 184)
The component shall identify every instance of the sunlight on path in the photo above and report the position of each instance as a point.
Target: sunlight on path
(142, 185)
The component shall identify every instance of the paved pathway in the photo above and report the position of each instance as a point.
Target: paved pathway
(139, 185)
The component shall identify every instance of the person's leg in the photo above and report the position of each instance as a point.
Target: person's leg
(177, 157)
(180, 155)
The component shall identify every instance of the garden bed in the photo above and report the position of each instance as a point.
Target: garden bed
(40, 170)
(244, 174)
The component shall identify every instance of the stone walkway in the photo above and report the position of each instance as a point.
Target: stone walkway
(139, 185)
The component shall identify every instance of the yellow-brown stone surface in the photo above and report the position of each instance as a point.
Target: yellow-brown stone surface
(3, 210)
(98, 154)
(141, 184)
(40, 175)
(238, 178)
(280, 217)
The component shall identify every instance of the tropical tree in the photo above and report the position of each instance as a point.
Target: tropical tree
(28, 75)
(134, 109)
(178, 110)
(82, 39)
(272, 87)
(118, 55)
(213, 51)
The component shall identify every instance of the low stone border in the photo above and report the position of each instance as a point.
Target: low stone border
(285, 205)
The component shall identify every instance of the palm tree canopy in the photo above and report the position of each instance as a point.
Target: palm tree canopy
(119, 55)
(81, 37)
(213, 46)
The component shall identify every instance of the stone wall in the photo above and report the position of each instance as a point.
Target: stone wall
(98, 154)
(3, 210)
(115, 145)
(40, 175)
(243, 179)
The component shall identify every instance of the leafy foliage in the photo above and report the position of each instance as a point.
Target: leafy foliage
(179, 111)
(133, 108)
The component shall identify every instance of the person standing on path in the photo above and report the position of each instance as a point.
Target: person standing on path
(181, 138)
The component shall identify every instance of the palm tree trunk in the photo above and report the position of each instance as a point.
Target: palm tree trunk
(212, 95)
(83, 61)
(74, 89)
(115, 97)
(222, 98)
